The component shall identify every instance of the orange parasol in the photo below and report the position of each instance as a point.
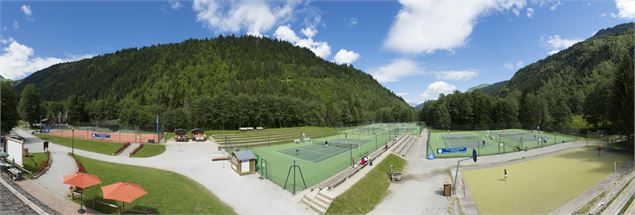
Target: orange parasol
(81, 180)
(121, 191)
(125, 192)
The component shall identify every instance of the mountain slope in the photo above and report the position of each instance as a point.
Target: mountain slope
(224, 82)
(574, 81)
(569, 91)
(579, 64)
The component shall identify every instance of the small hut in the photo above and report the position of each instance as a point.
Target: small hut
(180, 135)
(198, 134)
(243, 162)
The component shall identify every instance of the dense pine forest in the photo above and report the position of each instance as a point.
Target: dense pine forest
(220, 83)
(587, 86)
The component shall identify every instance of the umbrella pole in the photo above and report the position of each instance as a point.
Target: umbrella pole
(81, 203)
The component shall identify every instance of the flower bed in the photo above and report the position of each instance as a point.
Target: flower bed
(80, 167)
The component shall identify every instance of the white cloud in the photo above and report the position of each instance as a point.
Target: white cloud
(555, 43)
(530, 12)
(321, 49)
(18, 60)
(352, 22)
(436, 88)
(26, 9)
(514, 66)
(309, 32)
(428, 26)
(344, 56)
(396, 70)
(254, 16)
(285, 33)
(555, 5)
(175, 4)
(456, 75)
(626, 8)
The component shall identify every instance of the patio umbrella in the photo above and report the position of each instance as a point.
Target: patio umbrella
(124, 192)
(81, 180)
(3, 155)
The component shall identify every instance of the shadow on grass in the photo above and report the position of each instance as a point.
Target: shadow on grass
(605, 159)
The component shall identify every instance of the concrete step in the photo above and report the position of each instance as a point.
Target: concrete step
(318, 208)
(321, 200)
(320, 204)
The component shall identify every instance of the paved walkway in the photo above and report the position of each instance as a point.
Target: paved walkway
(421, 190)
(192, 160)
(126, 152)
(62, 165)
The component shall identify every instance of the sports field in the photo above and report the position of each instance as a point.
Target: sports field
(542, 185)
(319, 161)
(496, 141)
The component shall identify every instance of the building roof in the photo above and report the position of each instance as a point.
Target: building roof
(244, 155)
(180, 130)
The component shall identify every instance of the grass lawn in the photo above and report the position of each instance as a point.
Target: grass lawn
(542, 185)
(28, 163)
(150, 150)
(168, 192)
(107, 148)
(367, 192)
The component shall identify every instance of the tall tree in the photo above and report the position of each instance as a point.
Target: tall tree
(29, 106)
(76, 109)
(8, 105)
(622, 99)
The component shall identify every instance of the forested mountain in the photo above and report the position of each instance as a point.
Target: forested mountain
(493, 89)
(585, 83)
(480, 86)
(225, 82)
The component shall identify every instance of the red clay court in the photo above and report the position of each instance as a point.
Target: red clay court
(114, 136)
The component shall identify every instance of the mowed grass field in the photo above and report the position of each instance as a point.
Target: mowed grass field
(149, 150)
(542, 185)
(362, 197)
(168, 192)
(107, 148)
(39, 157)
(494, 145)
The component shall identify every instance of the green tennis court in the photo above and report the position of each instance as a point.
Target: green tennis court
(319, 162)
(489, 142)
(320, 151)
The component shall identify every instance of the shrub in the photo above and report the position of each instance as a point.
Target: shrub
(80, 167)
(45, 163)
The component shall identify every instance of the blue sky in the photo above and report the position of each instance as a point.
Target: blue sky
(417, 49)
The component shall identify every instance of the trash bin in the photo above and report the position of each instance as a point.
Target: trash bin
(447, 189)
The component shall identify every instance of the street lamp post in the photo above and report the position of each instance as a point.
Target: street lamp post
(73, 141)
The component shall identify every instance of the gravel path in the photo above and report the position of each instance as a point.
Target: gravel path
(246, 194)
